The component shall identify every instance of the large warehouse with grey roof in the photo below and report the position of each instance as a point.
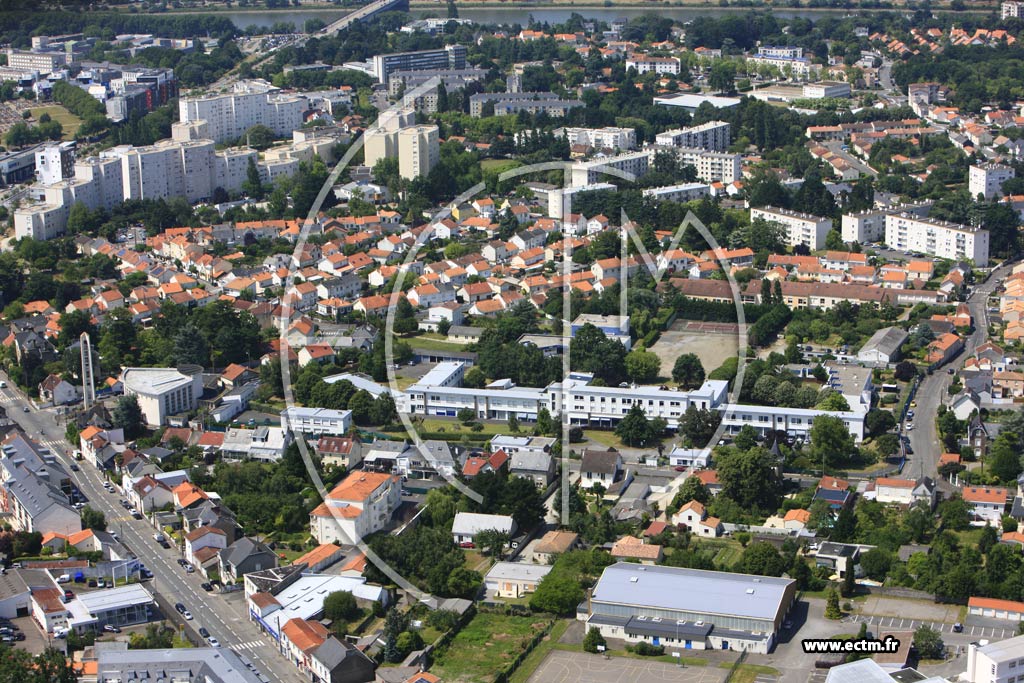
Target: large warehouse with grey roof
(689, 608)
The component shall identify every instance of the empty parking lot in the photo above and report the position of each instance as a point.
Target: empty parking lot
(576, 667)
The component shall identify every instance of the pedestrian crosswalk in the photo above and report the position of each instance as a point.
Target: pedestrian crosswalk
(250, 645)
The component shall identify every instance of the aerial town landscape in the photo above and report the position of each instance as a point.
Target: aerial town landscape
(487, 342)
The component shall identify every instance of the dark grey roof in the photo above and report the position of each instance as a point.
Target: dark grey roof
(193, 664)
(837, 549)
(602, 462)
(333, 653)
(1017, 509)
(241, 549)
(276, 579)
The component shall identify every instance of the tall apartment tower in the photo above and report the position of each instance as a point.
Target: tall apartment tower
(418, 151)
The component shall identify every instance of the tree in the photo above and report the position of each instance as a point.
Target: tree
(513, 423)
(361, 405)
(688, 371)
(341, 605)
(763, 559)
(93, 519)
(832, 610)
(594, 642)
(1004, 459)
(253, 185)
(466, 415)
(746, 438)
(258, 137)
(464, 583)
(692, 489)
(127, 415)
(905, 371)
(405, 317)
(876, 563)
(834, 401)
(642, 366)
(748, 478)
(545, 425)
(190, 347)
(474, 378)
(845, 527)
(722, 77)
(879, 421)
(928, 642)
(636, 430)
(557, 593)
(831, 441)
(699, 424)
(491, 541)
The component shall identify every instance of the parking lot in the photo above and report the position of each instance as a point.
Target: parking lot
(975, 631)
(577, 667)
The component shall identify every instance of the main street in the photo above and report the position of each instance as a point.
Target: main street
(933, 388)
(224, 616)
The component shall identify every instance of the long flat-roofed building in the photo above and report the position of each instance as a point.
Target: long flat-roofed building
(933, 237)
(689, 608)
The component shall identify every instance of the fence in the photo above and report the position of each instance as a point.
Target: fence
(504, 675)
(736, 666)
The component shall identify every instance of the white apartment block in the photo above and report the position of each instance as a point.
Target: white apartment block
(659, 65)
(633, 163)
(602, 138)
(252, 102)
(864, 226)
(163, 392)
(55, 162)
(781, 51)
(712, 166)
(357, 507)
(869, 225)
(317, 421)
(987, 179)
(713, 135)
(905, 232)
(799, 67)
(418, 151)
(43, 62)
(684, 192)
(1001, 662)
(580, 402)
(560, 201)
(1012, 10)
(801, 228)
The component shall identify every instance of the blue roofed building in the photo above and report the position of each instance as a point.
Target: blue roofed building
(684, 609)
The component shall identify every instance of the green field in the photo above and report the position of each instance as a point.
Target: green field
(485, 646)
(69, 121)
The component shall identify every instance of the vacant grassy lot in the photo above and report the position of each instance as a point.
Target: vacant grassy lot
(484, 647)
(69, 121)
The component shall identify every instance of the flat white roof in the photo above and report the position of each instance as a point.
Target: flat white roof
(153, 380)
(693, 101)
(304, 599)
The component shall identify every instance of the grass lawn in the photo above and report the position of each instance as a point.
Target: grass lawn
(728, 556)
(485, 646)
(476, 561)
(458, 429)
(69, 121)
(747, 673)
(605, 438)
(436, 343)
(498, 165)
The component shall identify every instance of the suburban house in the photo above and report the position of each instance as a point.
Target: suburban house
(243, 556)
(905, 491)
(553, 544)
(538, 467)
(340, 451)
(600, 467)
(204, 537)
(632, 548)
(55, 390)
(467, 525)
(514, 579)
(987, 503)
(694, 516)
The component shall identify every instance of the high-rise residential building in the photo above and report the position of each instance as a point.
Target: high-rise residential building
(55, 162)
(418, 151)
(1012, 10)
(252, 103)
(987, 179)
(448, 57)
(801, 228)
(713, 135)
(999, 662)
(905, 232)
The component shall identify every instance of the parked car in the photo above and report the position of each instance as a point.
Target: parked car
(958, 627)
(187, 615)
(92, 583)
(207, 586)
(180, 607)
(110, 628)
(214, 642)
(74, 467)
(203, 632)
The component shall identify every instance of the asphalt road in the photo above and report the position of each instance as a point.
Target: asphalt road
(224, 616)
(933, 388)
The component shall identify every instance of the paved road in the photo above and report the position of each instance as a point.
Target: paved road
(224, 616)
(934, 388)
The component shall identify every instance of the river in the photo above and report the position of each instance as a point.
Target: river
(511, 15)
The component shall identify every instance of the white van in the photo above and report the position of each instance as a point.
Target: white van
(64, 578)
(158, 537)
